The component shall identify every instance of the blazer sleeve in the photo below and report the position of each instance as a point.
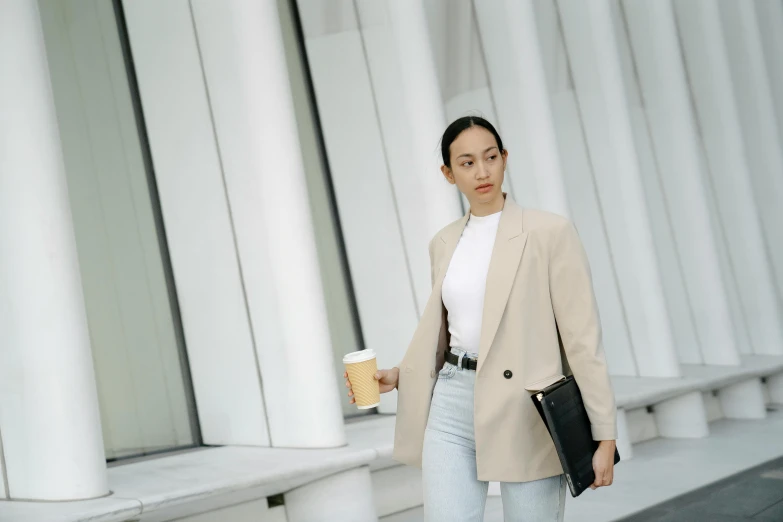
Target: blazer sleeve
(576, 312)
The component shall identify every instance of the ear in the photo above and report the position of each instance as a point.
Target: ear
(448, 174)
(505, 158)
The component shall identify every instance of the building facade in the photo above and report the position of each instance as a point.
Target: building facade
(205, 204)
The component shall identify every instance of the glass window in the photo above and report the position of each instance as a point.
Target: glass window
(140, 364)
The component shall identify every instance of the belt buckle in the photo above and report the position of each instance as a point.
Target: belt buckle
(459, 360)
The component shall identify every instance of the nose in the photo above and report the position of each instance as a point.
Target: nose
(482, 172)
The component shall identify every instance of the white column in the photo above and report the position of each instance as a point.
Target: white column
(760, 128)
(412, 120)
(743, 400)
(770, 20)
(52, 440)
(513, 55)
(775, 388)
(247, 79)
(624, 445)
(360, 174)
(199, 231)
(346, 496)
(683, 417)
(713, 93)
(595, 64)
(667, 104)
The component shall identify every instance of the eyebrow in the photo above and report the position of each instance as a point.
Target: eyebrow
(471, 155)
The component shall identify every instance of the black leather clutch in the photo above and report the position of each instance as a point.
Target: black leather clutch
(561, 408)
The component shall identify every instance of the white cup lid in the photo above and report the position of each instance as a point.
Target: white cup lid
(360, 356)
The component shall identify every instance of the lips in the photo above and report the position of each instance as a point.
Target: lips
(484, 187)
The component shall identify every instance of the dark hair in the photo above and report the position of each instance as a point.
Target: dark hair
(459, 126)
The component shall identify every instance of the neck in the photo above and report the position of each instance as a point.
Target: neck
(488, 207)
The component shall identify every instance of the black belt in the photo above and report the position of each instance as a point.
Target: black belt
(467, 363)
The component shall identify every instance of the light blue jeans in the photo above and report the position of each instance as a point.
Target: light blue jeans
(452, 491)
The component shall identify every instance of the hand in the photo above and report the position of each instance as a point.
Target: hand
(603, 464)
(387, 381)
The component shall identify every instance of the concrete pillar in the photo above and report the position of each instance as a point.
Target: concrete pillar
(197, 216)
(360, 174)
(51, 439)
(666, 99)
(346, 496)
(512, 51)
(595, 65)
(412, 119)
(713, 94)
(743, 400)
(624, 447)
(775, 388)
(256, 130)
(770, 21)
(760, 128)
(682, 417)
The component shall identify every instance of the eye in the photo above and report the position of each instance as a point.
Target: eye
(492, 158)
(467, 163)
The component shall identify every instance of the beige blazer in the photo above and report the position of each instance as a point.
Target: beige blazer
(538, 273)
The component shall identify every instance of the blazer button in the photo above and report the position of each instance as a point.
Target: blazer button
(507, 374)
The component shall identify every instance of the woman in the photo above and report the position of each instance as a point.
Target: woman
(505, 281)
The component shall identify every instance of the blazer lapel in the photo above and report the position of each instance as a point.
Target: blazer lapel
(449, 238)
(509, 244)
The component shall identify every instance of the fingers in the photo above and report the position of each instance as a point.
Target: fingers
(602, 479)
(350, 390)
(380, 374)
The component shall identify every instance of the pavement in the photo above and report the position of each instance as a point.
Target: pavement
(736, 473)
(756, 494)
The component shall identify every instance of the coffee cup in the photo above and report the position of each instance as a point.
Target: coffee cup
(362, 367)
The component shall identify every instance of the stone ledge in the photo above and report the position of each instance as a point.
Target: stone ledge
(180, 485)
(209, 478)
(376, 433)
(638, 392)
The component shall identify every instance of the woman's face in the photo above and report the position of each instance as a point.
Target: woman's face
(477, 166)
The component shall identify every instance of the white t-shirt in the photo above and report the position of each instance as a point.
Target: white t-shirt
(466, 281)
